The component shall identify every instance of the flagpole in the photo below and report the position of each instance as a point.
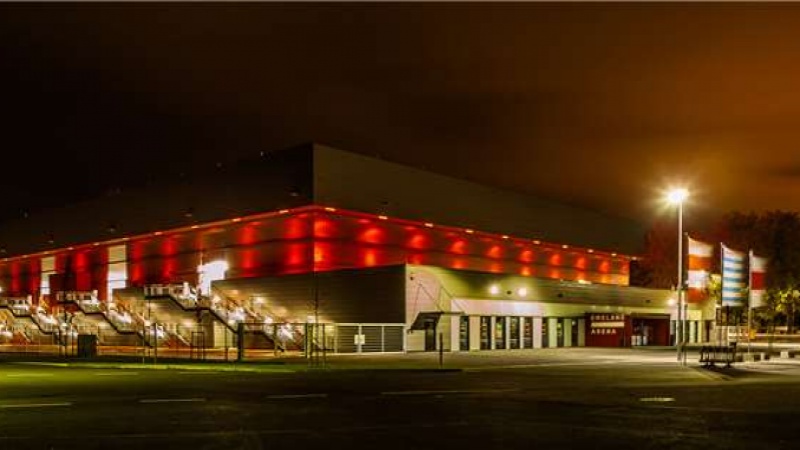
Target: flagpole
(749, 300)
(725, 335)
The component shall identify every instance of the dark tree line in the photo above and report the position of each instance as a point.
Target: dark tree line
(772, 234)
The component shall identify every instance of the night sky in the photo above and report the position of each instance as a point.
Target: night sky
(596, 105)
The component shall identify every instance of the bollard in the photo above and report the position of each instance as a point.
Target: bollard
(155, 344)
(441, 350)
(240, 342)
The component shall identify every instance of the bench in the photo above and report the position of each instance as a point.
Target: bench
(712, 354)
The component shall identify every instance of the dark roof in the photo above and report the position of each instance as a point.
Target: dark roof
(316, 174)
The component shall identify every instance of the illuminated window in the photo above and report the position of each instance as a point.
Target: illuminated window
(210, 272)
(48, 267)
(117, 269)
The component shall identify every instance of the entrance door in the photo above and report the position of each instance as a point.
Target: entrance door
(486, 342)
(527, 332)
(573, 332)
(463, 333)
(545, 332)
(500, 333)
(430, 336)
(560, 332)
(513, 331)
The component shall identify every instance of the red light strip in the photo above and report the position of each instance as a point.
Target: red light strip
(313, 208)
(473, 232)
(184, 229)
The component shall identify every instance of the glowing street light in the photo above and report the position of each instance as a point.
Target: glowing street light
(677, 197)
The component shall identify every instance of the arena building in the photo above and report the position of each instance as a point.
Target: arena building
(313, 247)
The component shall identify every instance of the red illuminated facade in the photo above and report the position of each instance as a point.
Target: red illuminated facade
(302, 240)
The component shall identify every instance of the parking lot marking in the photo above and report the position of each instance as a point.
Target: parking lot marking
(292, 396)
(35, 405)
(171, 400)
(27, 375)
(444, 392)
(116, 374)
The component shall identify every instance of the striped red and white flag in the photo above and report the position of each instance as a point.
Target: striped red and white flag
(758, 270)
(734, 277)
(698, 267)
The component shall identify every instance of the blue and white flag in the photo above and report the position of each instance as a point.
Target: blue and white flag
(734, 277)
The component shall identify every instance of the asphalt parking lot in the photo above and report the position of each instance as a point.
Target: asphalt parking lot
(561, 398)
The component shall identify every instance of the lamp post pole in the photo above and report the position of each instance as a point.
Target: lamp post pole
(677, 197)
(681, 322)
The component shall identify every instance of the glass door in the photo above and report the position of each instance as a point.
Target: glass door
(463, 333)
(499, 333)
(513, 331)
(486, 342)
(527, 332)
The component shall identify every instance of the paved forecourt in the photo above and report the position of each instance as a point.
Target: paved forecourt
(613, 399)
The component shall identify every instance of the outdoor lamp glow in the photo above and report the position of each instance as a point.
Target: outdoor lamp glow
(677, 196)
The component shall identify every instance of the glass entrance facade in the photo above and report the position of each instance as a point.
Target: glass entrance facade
(518, 332)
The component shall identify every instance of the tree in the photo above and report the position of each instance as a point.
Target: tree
(658, 268)
(775, 235)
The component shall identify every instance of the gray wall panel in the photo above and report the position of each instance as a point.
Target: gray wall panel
(345, 296)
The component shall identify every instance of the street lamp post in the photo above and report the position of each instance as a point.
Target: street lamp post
(677, 197)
